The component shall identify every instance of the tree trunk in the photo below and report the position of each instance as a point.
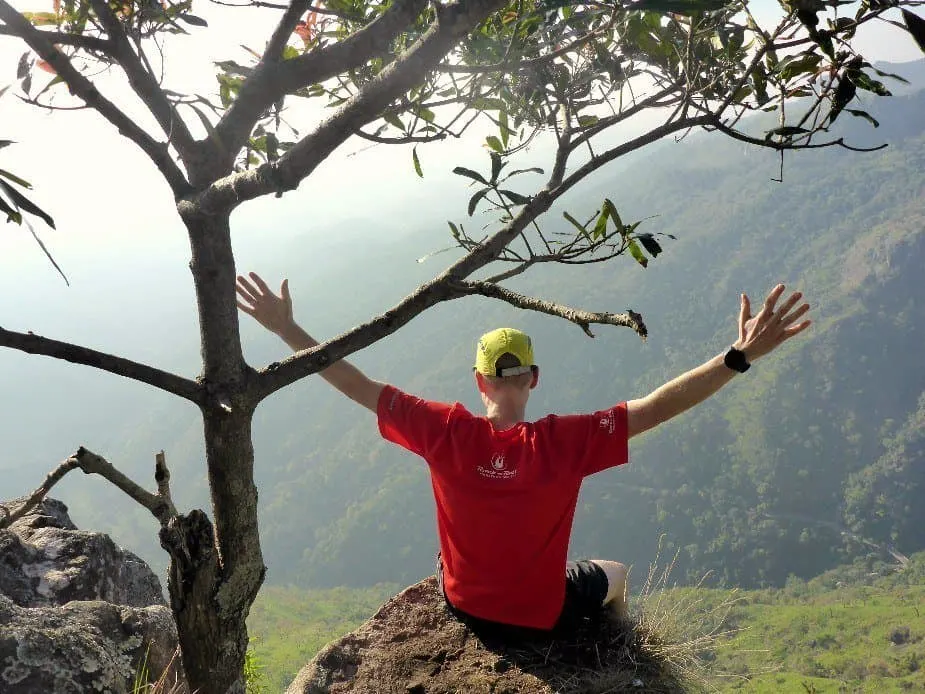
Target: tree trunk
(216, 571)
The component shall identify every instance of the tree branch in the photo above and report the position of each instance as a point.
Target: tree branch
(160, 505)
(407, 139)
(91, 463)
(579, 317)
(270, 81)
(61, 38)
(36, 344)
(453, 22)
(787, 145)
(33, 500)
(630, 146)
(85, 90)
(143, 82)
(283, 31)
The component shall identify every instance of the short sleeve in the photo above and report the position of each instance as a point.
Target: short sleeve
(590, 442)
(413, 423)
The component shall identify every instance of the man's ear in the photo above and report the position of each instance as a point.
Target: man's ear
(536, 377)
(479, 381)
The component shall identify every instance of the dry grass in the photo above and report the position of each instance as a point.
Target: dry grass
(165, 684)
(660, 649)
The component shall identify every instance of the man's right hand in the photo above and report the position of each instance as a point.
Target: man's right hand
(256, 299)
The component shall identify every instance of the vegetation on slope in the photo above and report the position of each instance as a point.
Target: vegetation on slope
(856, 628)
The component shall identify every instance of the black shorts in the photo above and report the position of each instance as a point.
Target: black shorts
(585, 589)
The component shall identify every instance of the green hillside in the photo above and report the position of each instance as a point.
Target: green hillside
(810, 458)
(760, 483)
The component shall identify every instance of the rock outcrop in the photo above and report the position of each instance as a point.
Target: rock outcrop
(77, 613)
(413, 645)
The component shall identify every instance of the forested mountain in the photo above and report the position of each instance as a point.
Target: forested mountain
(817, 452)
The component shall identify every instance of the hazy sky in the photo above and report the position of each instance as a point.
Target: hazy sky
(110, 203)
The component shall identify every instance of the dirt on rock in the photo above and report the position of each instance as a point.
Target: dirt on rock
(414, 645)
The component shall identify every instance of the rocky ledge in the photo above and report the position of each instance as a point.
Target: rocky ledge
(413, 645)
(77, 613)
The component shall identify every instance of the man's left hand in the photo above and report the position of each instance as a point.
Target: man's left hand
(773, 326)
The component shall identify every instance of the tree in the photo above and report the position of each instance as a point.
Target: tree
(410, 72)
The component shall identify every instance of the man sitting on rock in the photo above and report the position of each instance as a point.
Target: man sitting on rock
(506, 489)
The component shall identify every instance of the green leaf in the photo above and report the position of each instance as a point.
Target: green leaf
(649, 243)
(25, 204)
(891, 75)
(233, 67)
(13, 177)
(417, 162)
(474, 200)
(844, 93)
(585, 121)
(516, 198)
(496, 165)
(863, 114)
(47, 254)
(469, 173)
(504, 127)
(454, 230)
(494, 143)
(787, 131)
(12, 214)
(393, 120)
(290, 52)
(916, 27)
(637, 253)
(580, 227)
(600, 226)
(22, 68)
(614, 215)
(194, 20)
(792, 66)
(864, 81)
(517, 172)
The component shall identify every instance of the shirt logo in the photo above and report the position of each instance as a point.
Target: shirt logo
(496, 469)
(608, 423)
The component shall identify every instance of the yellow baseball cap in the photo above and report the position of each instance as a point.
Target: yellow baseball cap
(495, 344)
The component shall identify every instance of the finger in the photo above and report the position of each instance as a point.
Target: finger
(246, 292)
(788, 304)
(284, 291)
(258, 280)
(248, 287)
(795, 316)
(244, 307)
(743, 316)
(773, 296)
(796, 329)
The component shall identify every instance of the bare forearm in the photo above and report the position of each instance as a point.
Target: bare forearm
(691, 388)
(343, 375)
(678, 395)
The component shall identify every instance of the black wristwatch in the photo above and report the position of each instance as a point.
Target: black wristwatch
(735, 360)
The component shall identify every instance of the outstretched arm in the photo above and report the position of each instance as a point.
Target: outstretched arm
(274, 313)
(757, 337)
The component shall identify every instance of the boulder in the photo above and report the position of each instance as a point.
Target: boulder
(414, 645)
(78, 613)
(45, 560)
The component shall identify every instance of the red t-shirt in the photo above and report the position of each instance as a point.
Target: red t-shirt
(505, 499)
